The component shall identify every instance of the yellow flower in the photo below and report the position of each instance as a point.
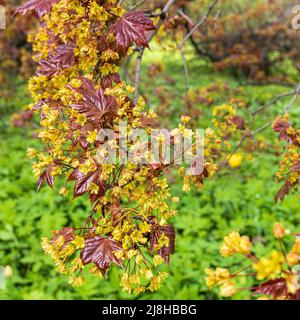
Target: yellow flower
(235, 160)
(95, 271)
(76, 265)
(278, 230)
(93, 188)
(109, 55)
(76, 281)
(292, 282)
(31, 153)
(234, 243)
(157, 260)
(227, 289)
(67, 251)
(219, 276)
(63, 191)
(185, 119)
(175, 199)
(78, 242)
(210, 278)
(92, 136)
(126, 286)
(269, 267)
(148, 274)
(293, 257)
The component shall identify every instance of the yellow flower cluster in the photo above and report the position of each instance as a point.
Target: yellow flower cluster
(223, 279)
(234, 243)
(293, 257)
(269, 267)
(277, 273)
(78, 93)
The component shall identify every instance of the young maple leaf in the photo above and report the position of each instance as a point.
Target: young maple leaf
(46, 176)
(67, 233)
(95, 105)
(239, 122)
(83, 181)
(62, 57)
(131, 28)
(283, 191)
(100, 251)
(41, 7)
(166, 251)
(276, 288)
(281, 126)
(46, 68)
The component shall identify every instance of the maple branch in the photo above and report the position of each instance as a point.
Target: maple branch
(186, 17)
(138, 73)
(163, 15)
(199, 24)
(137, 5)
(189, 34)
(295, 96)
(251, 134)
(186, 72)
(277, 98)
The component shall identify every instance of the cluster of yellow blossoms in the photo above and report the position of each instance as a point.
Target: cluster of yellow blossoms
(289, 169)
(277, 273)
(234, 243)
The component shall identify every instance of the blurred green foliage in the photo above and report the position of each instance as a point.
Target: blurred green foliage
(239, 199)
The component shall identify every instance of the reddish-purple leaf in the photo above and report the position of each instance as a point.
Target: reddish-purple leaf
(94, 198)
(276, 288)
(62, 57)
(95, 105)
(107, 82)
(281, 127)
(41, 7)
(166, 251)
(100, 251)
(67, 233)
(283, 191)
(46, 176)
(82, 181)
(46, 68)
(131, 28)
(296, 167)
(239, 122)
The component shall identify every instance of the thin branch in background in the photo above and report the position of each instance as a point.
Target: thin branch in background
(189, 34)
(216, 18)
(127, 66)
(199, 24)
(289, 106)
(186, 73)
(141, 50)
(264, 83)
(251, 134)
(137, 5)
(138, 73)
(121, 2)
(162, 15)
(294, 93)
(186, 17)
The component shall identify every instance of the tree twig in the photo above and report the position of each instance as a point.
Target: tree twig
(137, 5)
(199, 24)
(252, 133)
(141, 50)
(186, 72)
